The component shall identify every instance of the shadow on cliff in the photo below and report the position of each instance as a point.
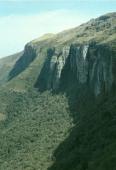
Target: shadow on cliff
(87, 143)
(23, 62)
(45, 82)
(68, 155)
(86, 147)
(71, 153)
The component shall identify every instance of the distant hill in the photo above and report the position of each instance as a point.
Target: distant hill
(6, 64)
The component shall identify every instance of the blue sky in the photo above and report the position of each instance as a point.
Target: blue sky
(25, 20)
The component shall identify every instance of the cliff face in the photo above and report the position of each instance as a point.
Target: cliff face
(50, 75)
(26, 58)
(89, 64)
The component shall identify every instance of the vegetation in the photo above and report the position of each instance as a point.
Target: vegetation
(92, 141)
(45, 131)
(35, 125)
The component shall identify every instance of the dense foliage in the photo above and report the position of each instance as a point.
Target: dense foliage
(39, 133)
(92, 141)
(35, 125)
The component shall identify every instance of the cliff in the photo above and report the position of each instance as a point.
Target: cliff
(89, 64)
(83, 55)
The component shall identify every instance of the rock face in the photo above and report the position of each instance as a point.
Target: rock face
(100, 68)
(51, 72)
(58, 65)
(78, 62)
(92, 65)
(27, 57)
(89, 64)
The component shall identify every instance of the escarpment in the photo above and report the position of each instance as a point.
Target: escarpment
(89, 64)
(83, 57)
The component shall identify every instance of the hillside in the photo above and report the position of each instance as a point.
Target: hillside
(6, 64)
(58, 101)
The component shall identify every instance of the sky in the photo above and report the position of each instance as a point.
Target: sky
(24, 20)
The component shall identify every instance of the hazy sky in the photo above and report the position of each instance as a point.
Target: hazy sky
(24, 20)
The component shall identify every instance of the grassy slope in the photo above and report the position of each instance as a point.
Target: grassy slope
(6, 64)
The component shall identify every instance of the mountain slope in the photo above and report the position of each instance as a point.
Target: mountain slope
(58, 101)
(100, 31)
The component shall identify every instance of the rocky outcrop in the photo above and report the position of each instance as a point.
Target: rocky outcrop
(100, 68)
(78, 62)
(59, 63)
(50, 75)
(92, 65)
(89, 64)
(23, 62)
